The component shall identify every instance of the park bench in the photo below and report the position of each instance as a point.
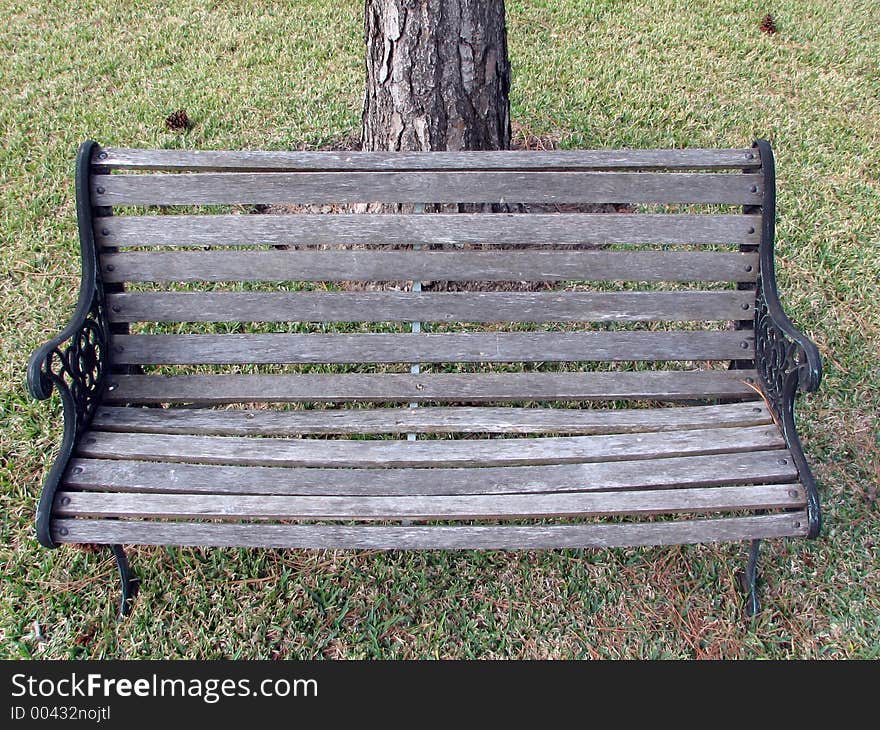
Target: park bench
(303, 377)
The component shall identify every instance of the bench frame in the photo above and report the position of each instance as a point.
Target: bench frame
(75, 361)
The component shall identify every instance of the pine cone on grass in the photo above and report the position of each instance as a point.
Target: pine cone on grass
(178, 121)
(768, 25)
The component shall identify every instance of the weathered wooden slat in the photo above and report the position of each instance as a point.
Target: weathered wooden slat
(120, 475)
(438, 229)
(501, 537)
(391, 306)
(273, 188)
(431, 347)
(272, 161)
(393, 387)
(297, 265)
(382, 454)
(508, 506)
(271, 422)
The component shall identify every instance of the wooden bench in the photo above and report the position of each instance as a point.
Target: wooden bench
(639, 392)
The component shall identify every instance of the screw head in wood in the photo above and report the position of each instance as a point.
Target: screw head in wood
(751, 229)
(100, 190)
(77, 470)
(749, 267)
(110, 267)
(783, 461)
(754, 188)
(105, 232)
(65, 501)
(792, 493)
(116, 308)
(744, 345)
(102, 155)
(744, 305)
(62, 531)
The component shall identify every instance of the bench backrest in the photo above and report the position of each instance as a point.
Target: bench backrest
(197, 278)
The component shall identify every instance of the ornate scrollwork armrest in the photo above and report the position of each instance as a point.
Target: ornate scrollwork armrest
(74, 362)
(786, 360)
(782, 350)
(787, 363)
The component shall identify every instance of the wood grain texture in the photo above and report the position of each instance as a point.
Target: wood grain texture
(474, 387)
(123, 475)
(426, 228)
(280, 161)
(382, 453)
(393, 306)
(791, 524)
(270, 422)
(298, 265)
(430, 347)
(278, 188)
(470, 507)
(195, 464)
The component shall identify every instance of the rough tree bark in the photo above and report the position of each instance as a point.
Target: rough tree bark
(438, 75)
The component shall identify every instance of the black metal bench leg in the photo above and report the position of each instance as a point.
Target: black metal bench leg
(750, 580)
(130, 582)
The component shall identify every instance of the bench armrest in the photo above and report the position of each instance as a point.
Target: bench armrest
(74, 362)
(74, 359)
(787, 361)
(781, 347)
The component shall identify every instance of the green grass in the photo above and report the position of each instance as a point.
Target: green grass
(594, 74)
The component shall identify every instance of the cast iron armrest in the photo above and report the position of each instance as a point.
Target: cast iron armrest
(79, 367)
(787, 361)
(74, 361)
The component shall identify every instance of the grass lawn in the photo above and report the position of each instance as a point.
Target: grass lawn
(592, 73)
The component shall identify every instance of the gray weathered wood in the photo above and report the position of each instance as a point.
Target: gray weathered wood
(121, 475)
(339, 453)
(431, 348)
(501, 537)
(428, 228)
(238, 188)
(394, 387)
(272, 422)
(150, 465)
(649, 266)
(516, 506)
(281, 161)
(392, 306)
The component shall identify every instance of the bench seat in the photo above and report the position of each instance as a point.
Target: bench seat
(142, 467)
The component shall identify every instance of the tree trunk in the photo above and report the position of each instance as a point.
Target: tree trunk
(438, 76)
